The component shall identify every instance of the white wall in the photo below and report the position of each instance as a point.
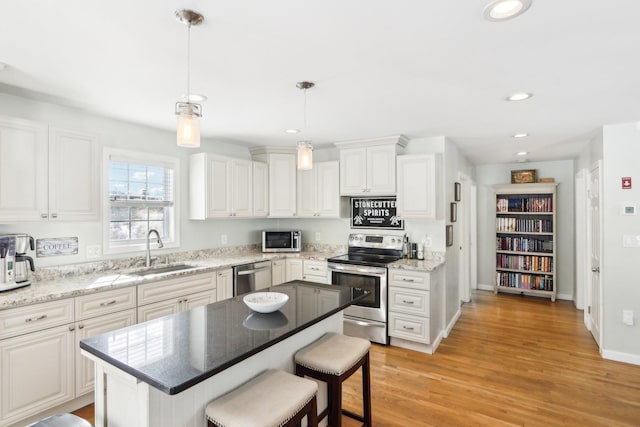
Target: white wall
(621, 285)
(563, 173)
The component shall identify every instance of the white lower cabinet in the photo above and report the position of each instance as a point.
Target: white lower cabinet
(170, 296)
(415, 308)
(36, 359)
(224, 285)
(315, 271)
(278, 271)
(90, 328)
(293, 269)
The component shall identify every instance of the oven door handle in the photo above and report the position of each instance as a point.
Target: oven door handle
(351, 269)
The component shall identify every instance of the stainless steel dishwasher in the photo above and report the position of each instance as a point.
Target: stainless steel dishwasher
(251, 277)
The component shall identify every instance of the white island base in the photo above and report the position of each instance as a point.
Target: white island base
(121, 400)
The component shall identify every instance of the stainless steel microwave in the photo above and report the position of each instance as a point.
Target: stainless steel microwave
(281, 241)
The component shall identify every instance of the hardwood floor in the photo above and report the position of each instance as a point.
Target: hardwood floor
(509, 361)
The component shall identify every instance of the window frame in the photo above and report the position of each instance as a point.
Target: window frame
(143, 158)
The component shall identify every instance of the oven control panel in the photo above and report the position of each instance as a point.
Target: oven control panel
(380, 241)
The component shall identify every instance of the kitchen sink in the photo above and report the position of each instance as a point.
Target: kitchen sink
(163, 270)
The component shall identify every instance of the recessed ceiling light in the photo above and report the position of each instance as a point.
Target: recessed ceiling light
(519, 135)
(502, 10)
(292, 131)
(522, 153)
(520, 96)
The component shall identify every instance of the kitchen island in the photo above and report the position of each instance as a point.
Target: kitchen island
(162, 373)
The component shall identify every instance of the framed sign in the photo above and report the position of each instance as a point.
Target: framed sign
(525, 176)
(375, 212)
(57, 246)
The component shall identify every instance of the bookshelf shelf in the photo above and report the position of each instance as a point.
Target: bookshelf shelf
(526, 239)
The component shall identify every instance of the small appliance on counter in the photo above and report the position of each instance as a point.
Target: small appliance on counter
(8, 257)
(281, 241)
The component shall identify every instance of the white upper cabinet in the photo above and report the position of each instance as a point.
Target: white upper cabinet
(318, 191)
(369, 167)
(418, 181)
(74, 176)
(220, 187)
(260, 189)
(47, 174)
(282, 179)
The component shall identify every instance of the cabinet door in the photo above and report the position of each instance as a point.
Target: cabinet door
(353, 171)
(90, 328)
(294, 269)
(327, 189)
(218, 187)
(381, 170)
(417, 186)
(278, 272)
(197, 300)
(74, 173)
(225, 284)
(306, 303)
(37, 372)
(282, 185)
(260, 189)
(307, 192)
(23, 170)
(158, 309)
(241, 188)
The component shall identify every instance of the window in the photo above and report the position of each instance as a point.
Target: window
(141, 197)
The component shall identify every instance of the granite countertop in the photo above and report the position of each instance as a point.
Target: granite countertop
(430, 263)
(175, 352)
(76, 280)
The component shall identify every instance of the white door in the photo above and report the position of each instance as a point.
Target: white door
(595, 242)
(583, 262)
(467, 258)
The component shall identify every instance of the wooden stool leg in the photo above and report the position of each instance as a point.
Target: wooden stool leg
(366, 392)
(335, 402)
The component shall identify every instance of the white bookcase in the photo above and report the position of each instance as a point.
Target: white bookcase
(526, 239)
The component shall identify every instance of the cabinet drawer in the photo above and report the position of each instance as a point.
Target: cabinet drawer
(105, 302)
(410, 301)
(174, 288)
(17, 321)
(315, 268)
(409, 327)
(409, 279)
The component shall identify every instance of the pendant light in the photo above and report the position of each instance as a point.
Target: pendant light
(188, 113)
(305, 149)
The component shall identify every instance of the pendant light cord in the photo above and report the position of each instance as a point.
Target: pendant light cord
(189, 63)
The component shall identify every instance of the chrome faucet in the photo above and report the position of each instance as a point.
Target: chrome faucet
(160, 245)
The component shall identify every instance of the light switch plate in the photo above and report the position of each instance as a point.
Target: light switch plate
(93, 251)
(631, 241)
(627, 317)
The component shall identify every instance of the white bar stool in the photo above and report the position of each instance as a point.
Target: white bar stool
(272, 399)
(61, 420)
(332, 359)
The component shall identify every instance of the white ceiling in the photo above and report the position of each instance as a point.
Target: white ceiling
(415, 67)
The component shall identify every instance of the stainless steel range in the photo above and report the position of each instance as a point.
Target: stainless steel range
(364, 268)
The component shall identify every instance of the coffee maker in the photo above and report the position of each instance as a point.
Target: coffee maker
(13, 261)
(21, 269)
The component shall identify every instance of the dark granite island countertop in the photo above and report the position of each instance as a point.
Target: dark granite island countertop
(176, 352)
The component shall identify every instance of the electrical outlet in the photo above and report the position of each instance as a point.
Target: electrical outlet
(93, 251)
(223, 239)
(318, 236)
(627, 317)
(428, 242)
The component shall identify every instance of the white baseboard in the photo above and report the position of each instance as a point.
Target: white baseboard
(633, 359)
(452, 323)
(558, 296)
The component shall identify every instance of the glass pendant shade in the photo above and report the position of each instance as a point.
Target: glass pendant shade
(188, 125)
(305, 156)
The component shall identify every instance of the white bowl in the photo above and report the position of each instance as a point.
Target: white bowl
(265, 302)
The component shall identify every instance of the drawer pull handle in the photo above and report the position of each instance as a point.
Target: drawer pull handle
(104, 304)
(408, 328)
(35, 319)
(408, 302)
(404, 279)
